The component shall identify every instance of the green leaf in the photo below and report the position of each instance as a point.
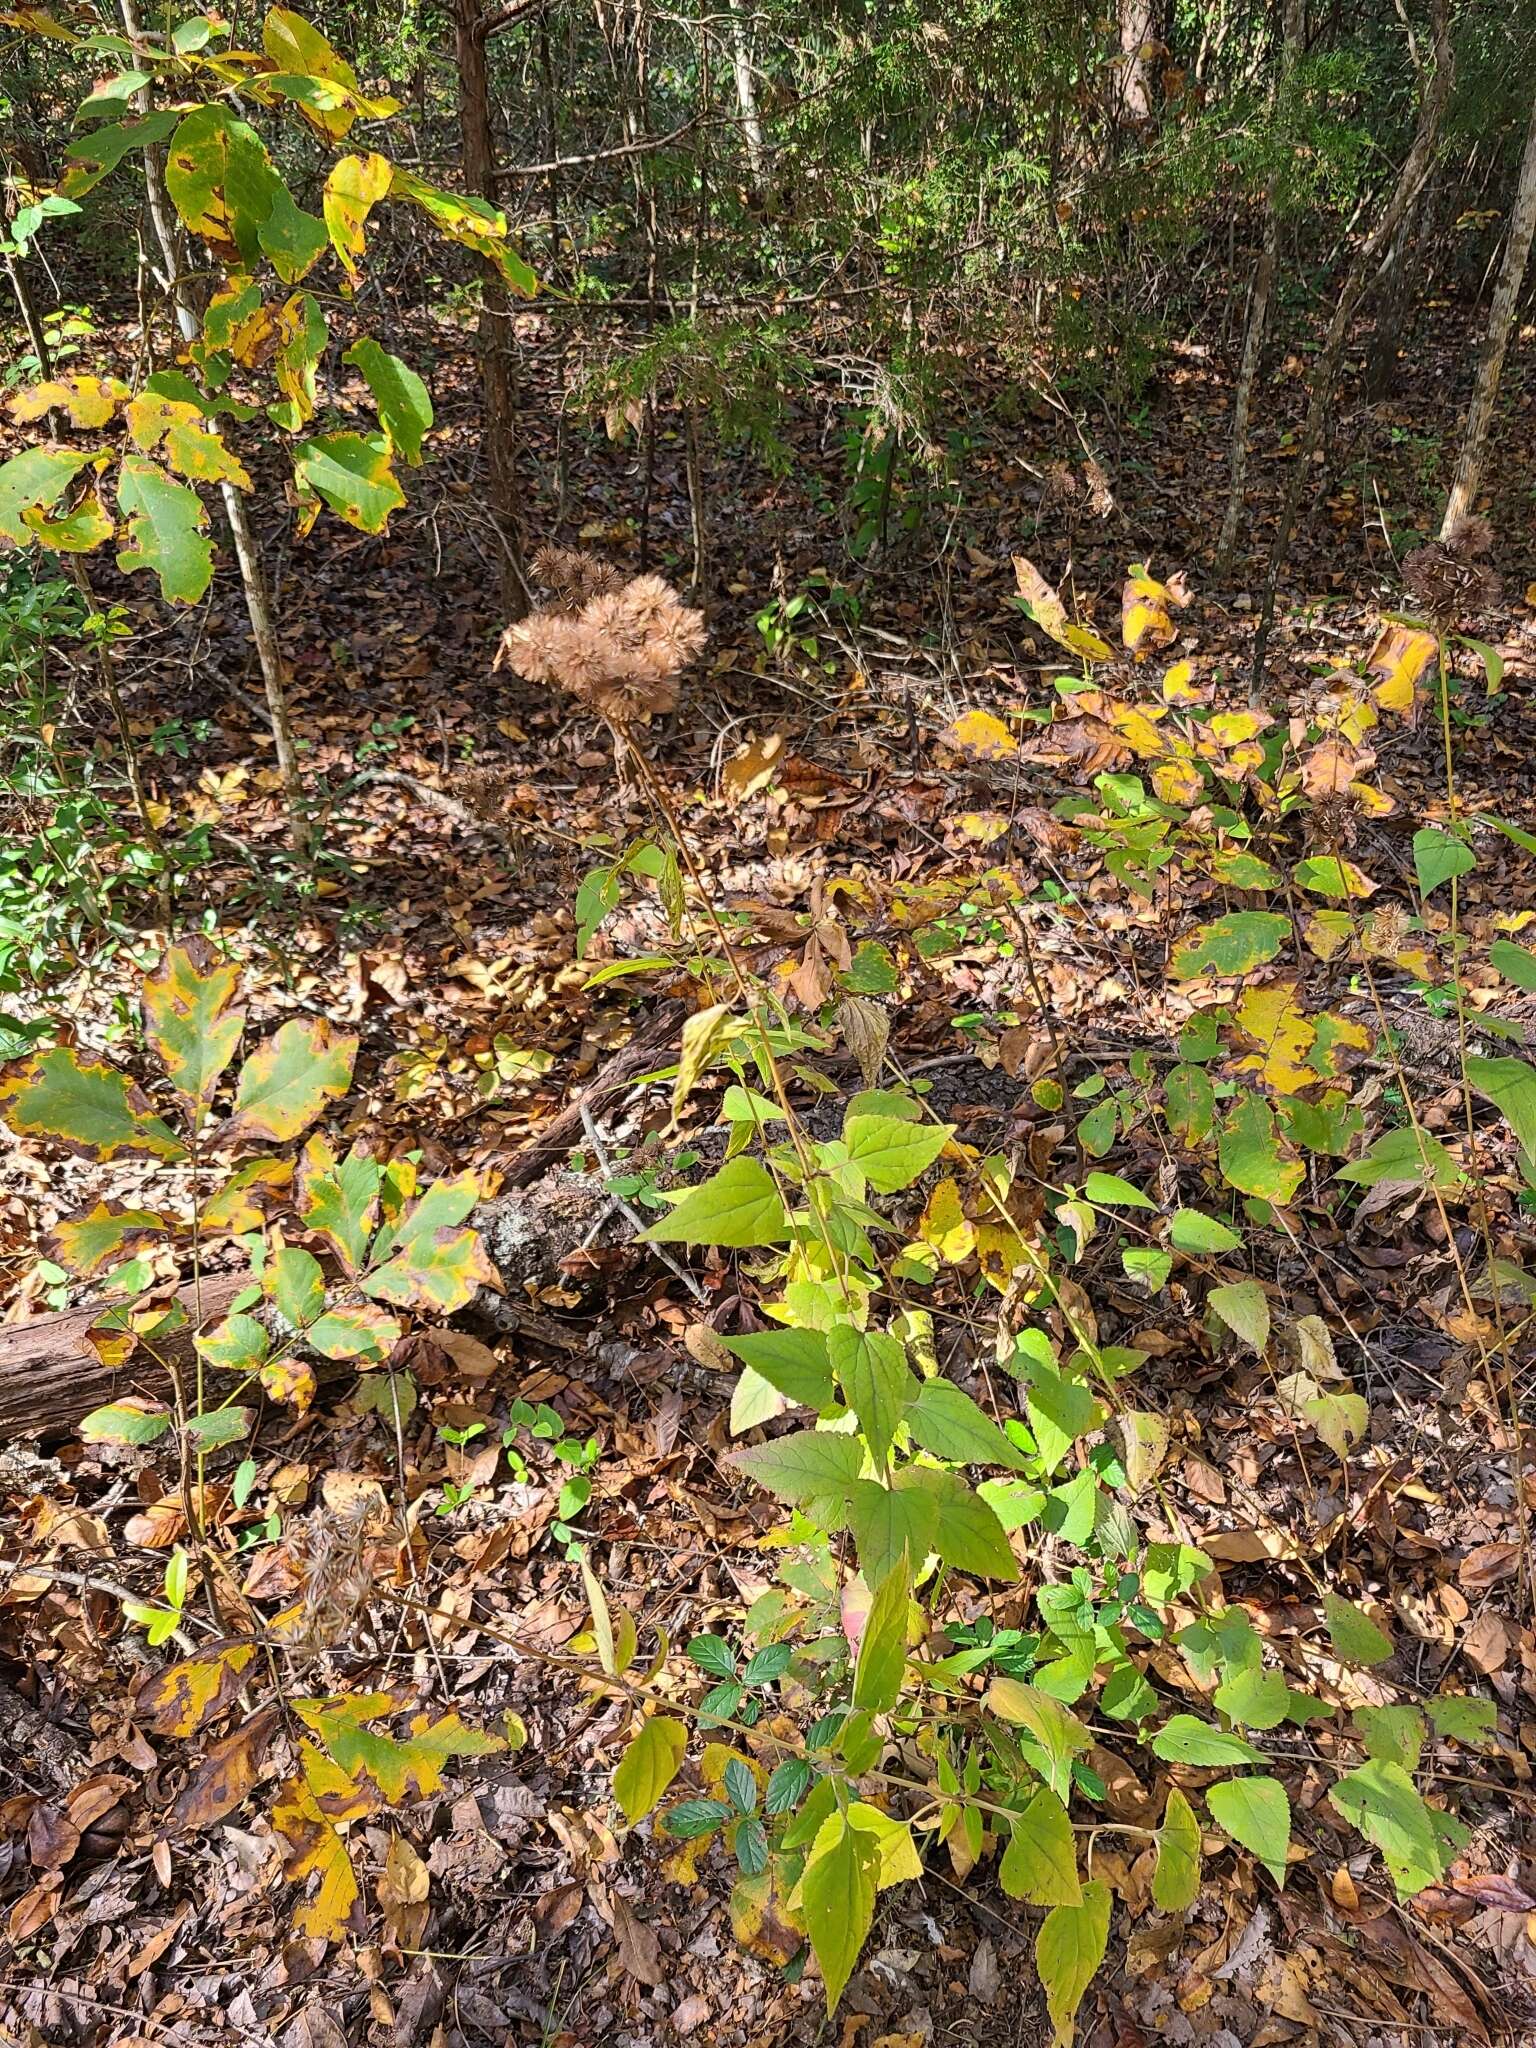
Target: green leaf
(404, 408)
(1254, 1698)
(1382, 1802)
(793, 1361)
(1189, 1102)
(290, 1077)
(440, 1268)
(91, 157)
(1329, 874)
(738, 1207)
(649, 1765)
(891, 1152)
(120, 1422)
(1509, 1084)
(968, 1535)
(1193, 1232)
(1232, 945)
(187, 1018)
(223, 184)
(238, 1344)
(33, 482)
(1513, 962)
(339, 1200)
(740, 1786)
(1407, 1157)
(1256, 1813)
(1096, 1132)
(837, 1899)
(1148, 1267)
(889, 1524)
(1244, 1308)
(1108, 1189)
(90, 1108)
(1460, 1718)
(948, 1422)
(1250, 1154)
(1176, 1880)
(1184, 1740)
(876, 1380)
(1060, 1409)
(294, 1281)
(167, 525)
(355, 1330)
(714, 1655)
(691, 1818)
(351, 473)
(1437, 857)
(471, 223)
(1393, 1735)
(84, 1242)
(882, 1659)
(1354, 1635)
(787, 1786)
(1068, 1951)
(813, 1469)
(1039, 1864)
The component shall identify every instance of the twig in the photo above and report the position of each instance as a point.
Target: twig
(633, 1215)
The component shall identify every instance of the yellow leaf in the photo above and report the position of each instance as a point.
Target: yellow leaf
(1145, 605)
(1231, 728)
(1050, 614)
(945, 1226)
(89, 401)
(1328, 932)
(1400, 657)
(1138, 729)
(314, 1846)
(982, 826)
(1176, 782)
(1374, 802)
(179, 1699)
(1271, 1018)
(1179, 686)
(980, 734)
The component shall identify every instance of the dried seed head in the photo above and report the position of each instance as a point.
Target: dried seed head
(617, 646)
(1447, 584)
(1471, 537)
(1386, 931)
(334, 1550)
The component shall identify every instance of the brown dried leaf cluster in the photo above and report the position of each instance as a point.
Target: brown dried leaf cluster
(616, 645)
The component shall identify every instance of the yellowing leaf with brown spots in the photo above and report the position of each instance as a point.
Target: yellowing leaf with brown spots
(1179, 685)
(183, 1697)
(945, 1226)
(305, 1812)
(84, 1242)
(1138, 729)
(354, 187)
(89, 401)
(188, 1021)
(1272, 1018)
(401, 1770)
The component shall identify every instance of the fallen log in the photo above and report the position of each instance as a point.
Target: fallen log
(51, 1375)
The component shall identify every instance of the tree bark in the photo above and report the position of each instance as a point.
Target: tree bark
(1139, 39)
(746, 95)
(471, 33)
(1501, 320)
(1258, 311)
(1434, 94)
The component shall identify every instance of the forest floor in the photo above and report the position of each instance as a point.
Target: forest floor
(448, 948)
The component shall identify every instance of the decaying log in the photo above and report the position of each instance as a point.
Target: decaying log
(51, 1375)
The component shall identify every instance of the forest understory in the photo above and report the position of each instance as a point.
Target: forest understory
(883, 800)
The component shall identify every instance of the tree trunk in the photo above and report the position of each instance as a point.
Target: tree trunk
(1258, 311)
(258, 598)
(1501, 318)
(1434, 94)
(1139, 41)
(496, 380)
(1392, 306)
(746, 95)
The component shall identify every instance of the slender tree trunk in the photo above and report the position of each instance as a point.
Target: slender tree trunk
(1392, 305)
(746, 94)
(1501, 319)
(1133, 72)
(497, 387)
(1434, 94)
(1258, 311)
(258, 598)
